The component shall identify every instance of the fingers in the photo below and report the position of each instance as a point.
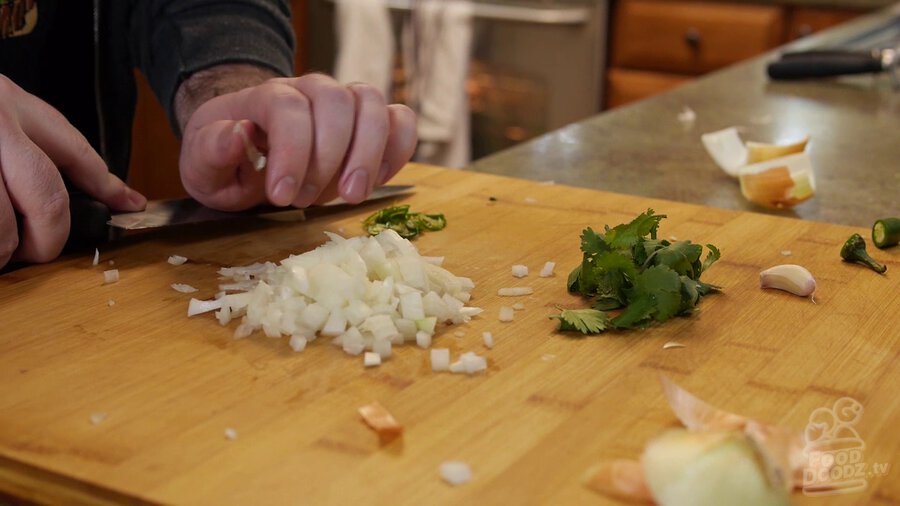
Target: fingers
(9, 235)
(333, 110)
(72, 154)
(322, 139)
(215, 169)
(36, 190)
(370, 133)
(401, 142)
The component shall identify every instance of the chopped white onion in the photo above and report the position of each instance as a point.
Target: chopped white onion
(455, 472)
(518, 306)
(371, 359)
(183, 288)
(111, 276)
(423, 339)
(231, 434)
(197, 306)
(111, 303)
(440, 359)
(297, 343)
(98, 418)
(369, 293)
(473, 363)
(506, 314)
(515, 291)
(488, 339)
(547, 270)
(177, 259)
(96, 260)
(519, 271)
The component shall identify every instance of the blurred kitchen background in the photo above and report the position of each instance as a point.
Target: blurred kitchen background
(485, 75)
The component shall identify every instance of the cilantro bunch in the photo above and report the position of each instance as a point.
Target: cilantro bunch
(405, 223)
(627, 268)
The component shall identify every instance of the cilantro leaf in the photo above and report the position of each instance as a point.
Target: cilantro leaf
(682, 257)
(711, 258)
(627, 235)
(586, 321)
(591, 243)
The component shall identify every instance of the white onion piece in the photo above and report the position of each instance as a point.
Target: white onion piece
(515, 291)
(177, 259)
(297, 343)
(547, 270)
(183, 288)
(96, 260)
(111, 276)
(488, 339)
(440, 359)
(197, 306)
(519, 271)
(455, 472)
(423, 339)
(371, 359)
(506, 314)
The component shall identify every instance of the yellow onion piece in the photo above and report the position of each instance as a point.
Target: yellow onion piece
(684, 468)
(779, 183)
(760, 152)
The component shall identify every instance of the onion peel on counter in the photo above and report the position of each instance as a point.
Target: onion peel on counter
(771, 175)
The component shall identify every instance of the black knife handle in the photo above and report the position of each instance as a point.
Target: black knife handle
(89, 222)
(798, 66)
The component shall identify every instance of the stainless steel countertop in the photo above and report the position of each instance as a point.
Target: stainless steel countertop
(642, 149)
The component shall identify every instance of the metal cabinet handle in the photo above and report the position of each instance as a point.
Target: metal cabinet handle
(692, 38)
(520, 13)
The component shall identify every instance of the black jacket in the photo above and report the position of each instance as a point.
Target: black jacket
(166, 39)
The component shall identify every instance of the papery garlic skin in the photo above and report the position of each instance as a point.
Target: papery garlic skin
(791, 278)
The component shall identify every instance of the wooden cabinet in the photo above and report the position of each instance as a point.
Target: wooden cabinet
(658, 44)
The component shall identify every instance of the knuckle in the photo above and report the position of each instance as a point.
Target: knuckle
(55, 206)
(289, 98)
(368, 92)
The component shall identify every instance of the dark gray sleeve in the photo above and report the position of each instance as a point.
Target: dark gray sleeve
(171, 39)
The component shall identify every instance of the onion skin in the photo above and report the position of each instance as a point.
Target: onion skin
(684, 468)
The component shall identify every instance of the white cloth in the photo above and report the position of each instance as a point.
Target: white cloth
(365, 43)
(437, 46)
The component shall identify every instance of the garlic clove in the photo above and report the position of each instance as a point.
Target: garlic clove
(790, 278)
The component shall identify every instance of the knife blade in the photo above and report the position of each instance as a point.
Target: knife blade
(93, 224)
(164, 213)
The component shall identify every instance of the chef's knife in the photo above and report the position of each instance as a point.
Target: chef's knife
(92, 222)
(833, 62)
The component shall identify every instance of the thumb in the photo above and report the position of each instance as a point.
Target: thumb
(113, 192)
(215, 168)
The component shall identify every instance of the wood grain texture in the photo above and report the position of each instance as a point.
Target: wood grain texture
(548, 407)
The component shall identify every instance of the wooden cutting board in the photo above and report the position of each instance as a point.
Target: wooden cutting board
(548, 407)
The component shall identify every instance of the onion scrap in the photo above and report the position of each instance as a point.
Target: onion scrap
(764, 458)
(381, 420)
(771, 175)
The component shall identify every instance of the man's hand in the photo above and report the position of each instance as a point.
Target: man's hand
(36, 143)
(322, 140)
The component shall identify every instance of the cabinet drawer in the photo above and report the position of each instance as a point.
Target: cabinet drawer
(692, 37)
(807, 20)
(624, 86)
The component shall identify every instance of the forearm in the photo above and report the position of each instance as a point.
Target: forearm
(210, 83)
